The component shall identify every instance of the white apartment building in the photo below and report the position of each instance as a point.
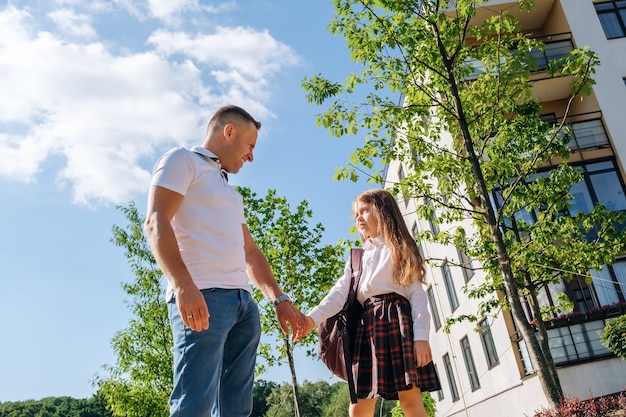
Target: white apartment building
(487, 373)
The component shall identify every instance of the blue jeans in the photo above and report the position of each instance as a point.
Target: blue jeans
(214, 368)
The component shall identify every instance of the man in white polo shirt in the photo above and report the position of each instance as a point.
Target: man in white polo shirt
(196, 227)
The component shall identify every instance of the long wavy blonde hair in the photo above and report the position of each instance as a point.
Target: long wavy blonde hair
(405, 255)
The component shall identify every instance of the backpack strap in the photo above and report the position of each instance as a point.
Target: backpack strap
(356, 257)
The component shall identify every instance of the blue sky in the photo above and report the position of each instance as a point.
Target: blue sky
(92, 93)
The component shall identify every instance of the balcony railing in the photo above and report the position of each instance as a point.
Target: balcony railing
(587, 131)
(556, 46)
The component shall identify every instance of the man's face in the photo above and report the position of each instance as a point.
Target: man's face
(241, 142)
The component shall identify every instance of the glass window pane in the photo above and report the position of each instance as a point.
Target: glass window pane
(611, 25)
(447, 276)
(525, 216)
(609, 190)
(469, 364)
(540, 58)
(603, 6)
(600, 166)
(556, 50)
(619, 268)
(401, 174)
(433, 308)
(589, 134)
(488, 343)
(582, 199)
(549, 292)
(602, 283)
(525, 356)
(451, 380)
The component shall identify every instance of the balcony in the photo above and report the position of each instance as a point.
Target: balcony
(530, 21)
(587, 130)
(544, 87)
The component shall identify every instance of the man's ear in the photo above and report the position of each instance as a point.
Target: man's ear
(229, 130)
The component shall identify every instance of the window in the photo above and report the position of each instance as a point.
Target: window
(619, 280)
(469, 364)
(432, 302)
(447, 277)
(609, 283)
(434, 226)
(488, 345)
(454, 391)
(466, 265)
(612, 15)
(415, 231)
(401, 174)
(420, 247)
(525, 357)
(440, 391)
(604, 182)
(601, 184)
(581, 294)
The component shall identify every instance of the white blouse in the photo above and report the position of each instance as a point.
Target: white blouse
(376, 279)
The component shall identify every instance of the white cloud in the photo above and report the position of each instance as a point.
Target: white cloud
(245, 50)
(104, 114)
(170, 10)
(78, 25)
(220, 7)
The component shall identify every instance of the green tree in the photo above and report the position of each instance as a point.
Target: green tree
(471, 141)
(314, 400)
(303, 266)
(613, 336)
(140, 381)
(260, 393)
(281, 401)
(57, 407)
(429, 404)
(339, 401)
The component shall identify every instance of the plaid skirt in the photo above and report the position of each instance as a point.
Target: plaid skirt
(383, 360)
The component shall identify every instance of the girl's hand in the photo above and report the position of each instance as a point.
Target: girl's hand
(306, 329)
(423, 355)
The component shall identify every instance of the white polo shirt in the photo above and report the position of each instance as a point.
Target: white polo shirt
(208, 222)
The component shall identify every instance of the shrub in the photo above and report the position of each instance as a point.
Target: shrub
(613, 337)
(607, 406)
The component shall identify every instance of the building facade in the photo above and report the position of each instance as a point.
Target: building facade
(484, 367)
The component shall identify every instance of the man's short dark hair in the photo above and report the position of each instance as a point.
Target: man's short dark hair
(229, 113)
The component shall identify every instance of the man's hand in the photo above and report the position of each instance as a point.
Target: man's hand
(193, 308)
(289, 316)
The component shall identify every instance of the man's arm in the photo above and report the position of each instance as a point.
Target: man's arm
(260, 273)
(162, 205)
